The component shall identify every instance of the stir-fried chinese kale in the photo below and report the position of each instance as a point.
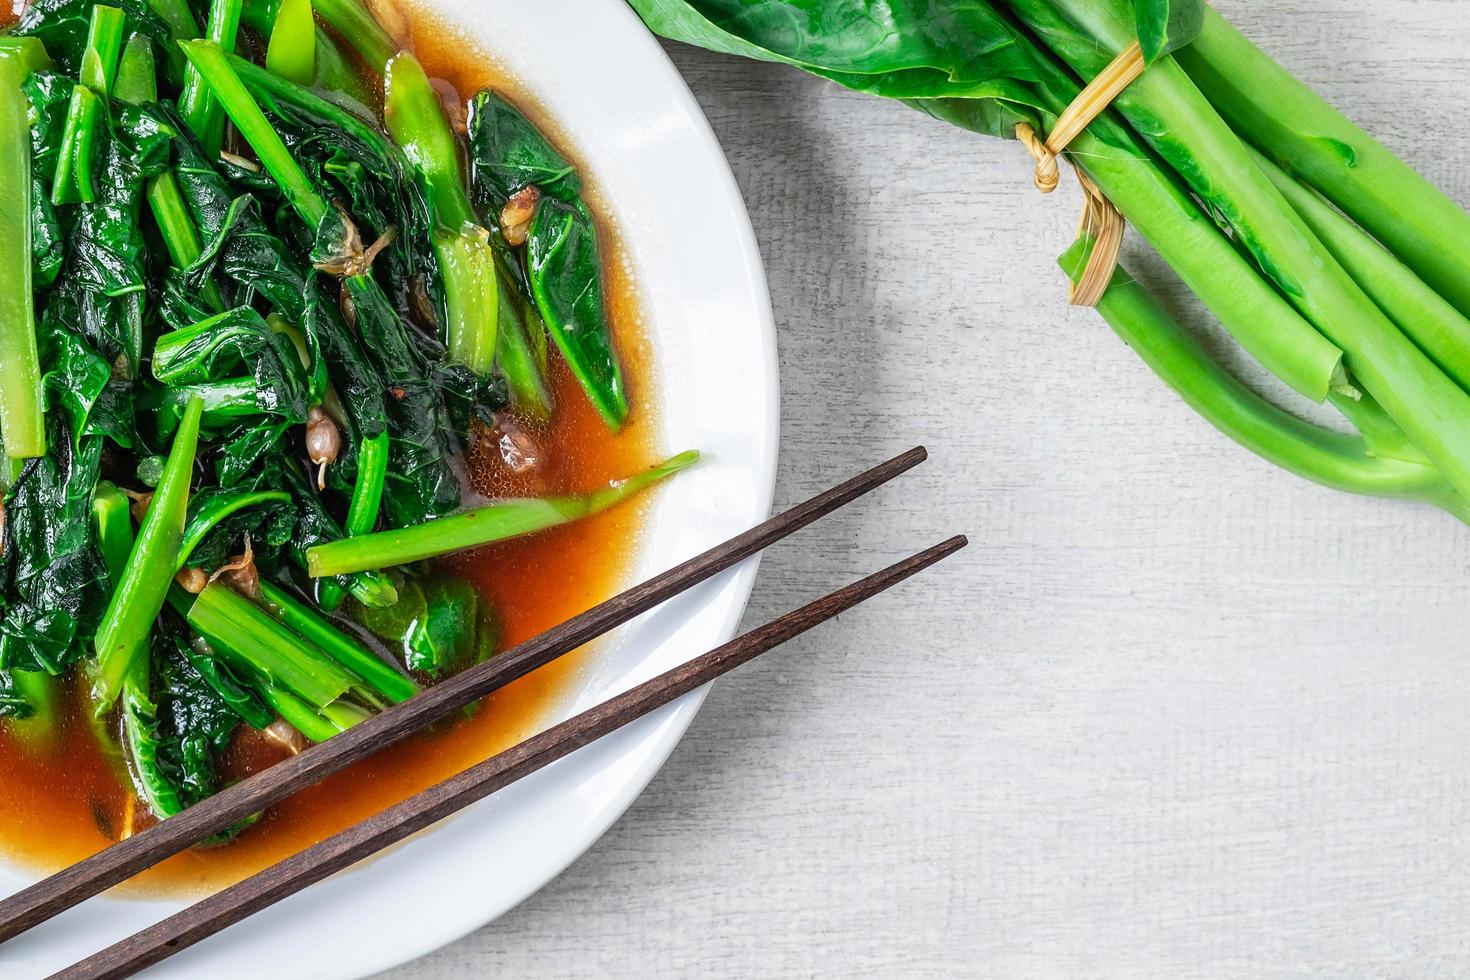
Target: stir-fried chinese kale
(247, 330)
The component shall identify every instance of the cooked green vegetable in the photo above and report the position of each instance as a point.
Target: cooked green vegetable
(244, 345)
(74, 178)
(197, 104)
(139, 593)
(351, 20)
(371, 669)
(563, 261)
(22, 418)
(256, 642)
(483, 525)
(292, 50)
(415, 119)
(441, 624)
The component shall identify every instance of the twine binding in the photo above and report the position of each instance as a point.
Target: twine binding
(1100, 220)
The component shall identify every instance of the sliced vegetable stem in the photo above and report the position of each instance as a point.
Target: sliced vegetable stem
(470, 529)
(382, 678)
(74, 179)
(22, 403)
(351, 20)
(215, 68)
(200, 108)
(138, 597)
(240, 629)
(291, 52)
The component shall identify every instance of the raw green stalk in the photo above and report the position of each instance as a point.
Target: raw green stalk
(214, 67)
(22, 403)
(415, 119)
(1318, 145)
(382, 678)
(1168, 110)
(472, 528)
(1333, 459)
(1438, 328)
(241, 630)
(73, 181)
(351, 20)
(197, 104)
(291, 52)
(140, 591)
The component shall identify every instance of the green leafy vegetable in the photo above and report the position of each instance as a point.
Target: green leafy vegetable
(440, 623)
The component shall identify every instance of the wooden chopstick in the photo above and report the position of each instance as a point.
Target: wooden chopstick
(35, 904)
(286, 878)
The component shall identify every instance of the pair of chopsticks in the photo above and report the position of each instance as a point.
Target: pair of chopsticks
(40, 902)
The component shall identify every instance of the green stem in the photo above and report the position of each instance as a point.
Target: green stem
(73, 180)
(351, 20)
(367, 493)
(112, 513)
(22, 402)
(1439, 329)
(291, 52)
(1318, 145)
(362, 509)
(471, 298)
(172, 217)
(415, 119)
(382, 678)
(199, 107)
(1333, 459)
(140, 591)
(38, 731)
(177, 16)
(244, 632)
(1169, 111)
(140, 732)
(215, 68)
(299, 715)
(199, 527)
(176, 227)
(517, 358)
(472, 528)
(137, 76)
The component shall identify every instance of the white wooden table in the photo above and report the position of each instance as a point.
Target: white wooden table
(1174, 713)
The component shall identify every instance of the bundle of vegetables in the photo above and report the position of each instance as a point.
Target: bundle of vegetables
(1329, 260)
(245, 332)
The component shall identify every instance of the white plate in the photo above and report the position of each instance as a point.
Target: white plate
(607, 83)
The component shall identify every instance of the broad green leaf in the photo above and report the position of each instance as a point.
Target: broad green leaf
(1166, 25)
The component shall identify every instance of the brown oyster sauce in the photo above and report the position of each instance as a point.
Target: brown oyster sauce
(70, 800)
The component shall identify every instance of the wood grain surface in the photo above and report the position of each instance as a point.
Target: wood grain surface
(1173, 713)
